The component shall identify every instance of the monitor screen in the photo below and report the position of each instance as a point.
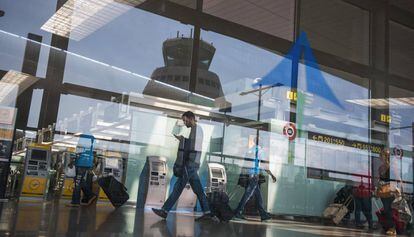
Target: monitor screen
(111, 163)
(39, 154)
(158, 166)
(217, 173)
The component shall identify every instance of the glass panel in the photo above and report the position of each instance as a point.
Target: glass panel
(152, 48)
(401, 50)
(274, 17)
(34, 113)
(332, 126)
(405, 5)
(336, 27)
(401, 137)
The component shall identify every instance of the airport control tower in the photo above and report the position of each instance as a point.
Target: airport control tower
(177, 54)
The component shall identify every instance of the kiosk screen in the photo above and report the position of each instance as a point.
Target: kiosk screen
(39, 155)
(158, 166)
(112, 163)
(217, 173)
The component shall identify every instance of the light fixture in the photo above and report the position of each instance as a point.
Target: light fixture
(21, 79)
(383, 103)
(79, 18)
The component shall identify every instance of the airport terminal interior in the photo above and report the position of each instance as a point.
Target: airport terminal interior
(317, 93)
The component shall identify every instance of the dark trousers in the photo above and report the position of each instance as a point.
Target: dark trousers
(83, 181)
(189, 176)
(363, 205)
(253, 188)
(386, 202)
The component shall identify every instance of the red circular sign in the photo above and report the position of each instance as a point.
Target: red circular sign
(398, 152)
(289, 130)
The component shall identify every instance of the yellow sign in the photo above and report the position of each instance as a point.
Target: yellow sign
(328, 139)
(40, 146)
(292, 95)
(385, 118)
(376, 148)
(68, 186)
(102, 195)
(6, 134)
(34, 186)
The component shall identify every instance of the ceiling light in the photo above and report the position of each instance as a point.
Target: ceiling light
(79, 18)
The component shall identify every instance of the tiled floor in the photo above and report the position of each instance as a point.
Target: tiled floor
(34, 218)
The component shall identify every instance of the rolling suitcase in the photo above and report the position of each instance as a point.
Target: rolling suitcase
(114, 190)
(219, 205)
(399, 224)
(336, 212)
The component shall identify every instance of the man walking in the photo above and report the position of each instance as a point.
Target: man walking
(186, 167)
(253, 186)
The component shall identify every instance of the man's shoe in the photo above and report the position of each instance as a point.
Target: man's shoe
(73, 205)
(239, 217)
(208, 217)
(360, 225)
(391, 232)
(89, 201)
(266, 218)
(160, 212)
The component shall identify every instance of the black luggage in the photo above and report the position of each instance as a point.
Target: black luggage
(219, 205)
(114, 190)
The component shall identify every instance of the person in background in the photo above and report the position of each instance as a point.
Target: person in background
(83, 178)
(362, 198)
(253, 186)
(385, 180)
(191, 154)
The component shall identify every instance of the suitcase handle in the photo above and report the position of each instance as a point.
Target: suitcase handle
(348, 201)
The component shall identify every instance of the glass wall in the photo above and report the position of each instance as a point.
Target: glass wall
(305, 91)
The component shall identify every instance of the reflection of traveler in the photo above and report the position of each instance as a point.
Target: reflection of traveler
(83, 162)
(341, 198)
(253, 186)
(385, 192)
(362, 198)
(186, 167)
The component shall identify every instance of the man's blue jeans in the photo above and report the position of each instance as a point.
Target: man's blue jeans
(189, 175)
(83, 181)
(253, 188)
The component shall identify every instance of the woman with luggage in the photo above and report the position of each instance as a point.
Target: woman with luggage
(386, 192)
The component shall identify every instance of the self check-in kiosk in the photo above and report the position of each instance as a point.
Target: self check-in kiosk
(217, 178)
(153, 182)
(157, 185)
(113, 166)
(36, 173)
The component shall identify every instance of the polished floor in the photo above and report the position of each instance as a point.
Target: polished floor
(34, 218)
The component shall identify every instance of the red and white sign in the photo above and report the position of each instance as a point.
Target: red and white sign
(290, 131)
